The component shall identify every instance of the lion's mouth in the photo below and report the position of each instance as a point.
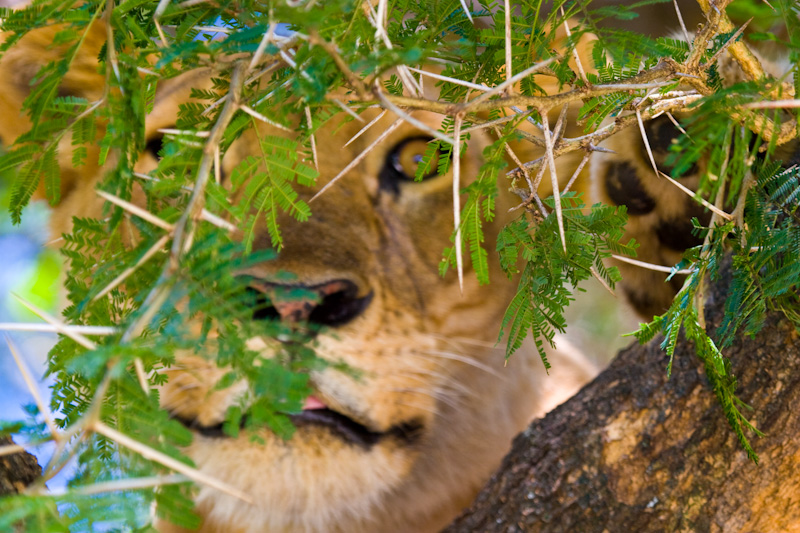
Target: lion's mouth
(315, 413)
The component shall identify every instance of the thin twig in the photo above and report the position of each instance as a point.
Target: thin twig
(136, 210)
(448, 79)
(551, 160)
(221, 100)
(221, 223)
(586, 157)
(773, 104)
(725, 46)
(507, 13)
(605, 285)
(538, 181)
(11, 449)
(633, 86)
(50, 328)
(352, 79)
(516, 160)
(466, 10)
(144, 383)
(191, 3)
(162, 6)
(644, 79)
(680, 21)
(255, 114)
(313, 140)
(57, 324)
(173, 131)
(738, 210)
(265, 40)
(119, 485)
(699, 297)
(489, 123)
(558, 129)
(472, 104)
(646, 141)
(111, 51)
(575, 54)
(380, 17)
(676, 124)
(346, 109)
(411, 120)
(365, 128)
(530, 120)
(692, 194)
(358, 158)
(157, 247)
(263, 72)
(217, 168)
(651, 266)
(165, 460)
(26, 377)
(213, 29)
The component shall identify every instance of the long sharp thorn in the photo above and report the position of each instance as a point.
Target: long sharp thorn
(457, 200)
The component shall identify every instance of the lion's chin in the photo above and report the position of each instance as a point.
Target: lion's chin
(330, 476)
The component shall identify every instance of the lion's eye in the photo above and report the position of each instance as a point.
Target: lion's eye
(403, 161)
(406, 157)
(154, 146)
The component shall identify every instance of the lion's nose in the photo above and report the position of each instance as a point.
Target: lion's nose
(333, 303)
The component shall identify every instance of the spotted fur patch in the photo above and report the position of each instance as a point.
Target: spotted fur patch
(662, 134)
(678, 233)
(659, 214)
(624, 188)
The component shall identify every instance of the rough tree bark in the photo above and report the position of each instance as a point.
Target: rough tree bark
(17, 470)
(635, 451)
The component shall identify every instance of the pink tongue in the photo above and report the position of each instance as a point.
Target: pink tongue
(312, 402)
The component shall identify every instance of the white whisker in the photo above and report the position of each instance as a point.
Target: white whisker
(435, 394)
(466, 340)
(443, 381)
(420, 407)
(467, 361)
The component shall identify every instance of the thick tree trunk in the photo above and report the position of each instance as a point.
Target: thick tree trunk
(634, 451)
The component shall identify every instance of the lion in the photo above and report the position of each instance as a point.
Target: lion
(405, 445)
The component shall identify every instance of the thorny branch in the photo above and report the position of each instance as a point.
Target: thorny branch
(181, 235)
(469, 115)
(690, 77)
(691, 74)
(667, 72)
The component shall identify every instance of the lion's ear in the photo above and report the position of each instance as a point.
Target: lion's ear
(19, 67)
(21, 63)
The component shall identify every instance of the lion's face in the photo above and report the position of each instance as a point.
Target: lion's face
(405, 441)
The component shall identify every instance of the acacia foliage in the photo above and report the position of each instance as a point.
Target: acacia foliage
(184, 289)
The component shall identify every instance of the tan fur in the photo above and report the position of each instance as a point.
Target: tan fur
(649, 291)
(425, 352)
